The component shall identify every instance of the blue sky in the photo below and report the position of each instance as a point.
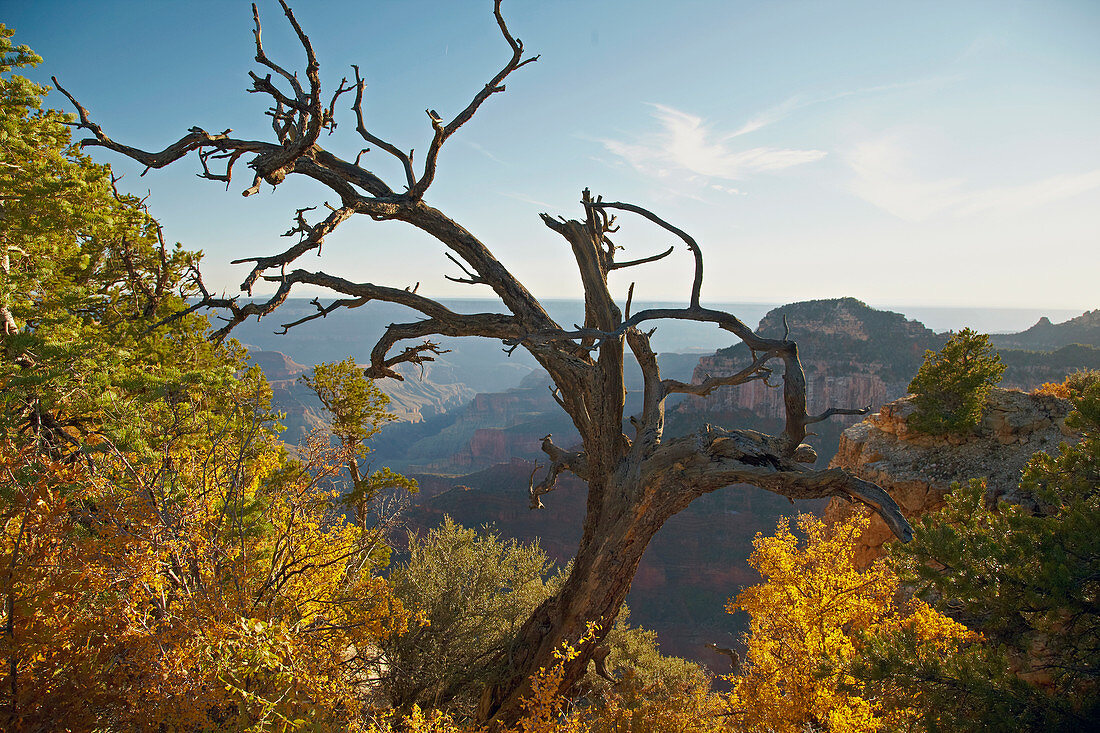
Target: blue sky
(931, 153)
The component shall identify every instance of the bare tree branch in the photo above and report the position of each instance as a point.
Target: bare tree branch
(697, 284)
(489, 325)
(495, 85)
(312, 237)
(361, 128)
(323, 311)
(470, 279)
(410, 355)
(560, 460)
(650, 428)
(836, 411)
(753, 372)
(642, 261)
(273, 165)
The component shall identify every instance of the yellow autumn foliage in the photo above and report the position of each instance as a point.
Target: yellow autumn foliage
(808, 618)
(189, 604)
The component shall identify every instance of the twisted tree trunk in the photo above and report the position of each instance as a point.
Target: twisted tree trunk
(635, 483)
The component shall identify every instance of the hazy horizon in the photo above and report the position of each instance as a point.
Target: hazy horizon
(670, 337)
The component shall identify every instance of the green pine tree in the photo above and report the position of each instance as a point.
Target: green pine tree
(953, 383)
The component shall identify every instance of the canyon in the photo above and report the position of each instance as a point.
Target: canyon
(473, 450)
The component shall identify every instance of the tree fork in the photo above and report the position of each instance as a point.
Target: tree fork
(634, 483)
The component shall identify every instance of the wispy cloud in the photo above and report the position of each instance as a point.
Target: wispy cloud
(691, 153)
(770, 116)
(685, 144)
(884, 177)
(1038, 193)
(802, 101)
(529, 200)
(484, 151)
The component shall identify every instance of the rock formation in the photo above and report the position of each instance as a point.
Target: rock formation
(856, 356)
(853, 355)
(918, 470)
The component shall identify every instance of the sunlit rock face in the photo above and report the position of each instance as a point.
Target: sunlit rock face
(852, 354)
(918, 470)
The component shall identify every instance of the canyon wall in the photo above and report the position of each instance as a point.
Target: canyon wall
(856, 356)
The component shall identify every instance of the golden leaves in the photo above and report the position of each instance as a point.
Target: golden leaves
(248, 602)
(810, 616)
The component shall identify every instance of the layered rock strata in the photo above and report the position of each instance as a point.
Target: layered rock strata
(853, 356)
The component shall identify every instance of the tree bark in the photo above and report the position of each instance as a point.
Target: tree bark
(634, 483)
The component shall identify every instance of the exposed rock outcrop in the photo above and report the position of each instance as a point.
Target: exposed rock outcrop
(917, 470)
(853, 356)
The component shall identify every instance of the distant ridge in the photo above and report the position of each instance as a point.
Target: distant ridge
(1047, 336)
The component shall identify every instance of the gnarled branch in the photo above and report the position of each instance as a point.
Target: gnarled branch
(697, 283)
(312, 237)
(712, 459)
(323, 311)
(361, 128)
(753, 372)
(836, 411)
(560, 460)
(642, 261)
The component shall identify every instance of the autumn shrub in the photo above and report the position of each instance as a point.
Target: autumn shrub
(122, 603)
(167, 563)
(952, 384)
(813, 614)
(473, 589)
(1073, 386)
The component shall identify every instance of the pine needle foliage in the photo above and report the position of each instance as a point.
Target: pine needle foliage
(1028, 582)
(952, 384)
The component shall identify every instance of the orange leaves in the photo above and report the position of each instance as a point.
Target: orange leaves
(51, 646)
(184, 602)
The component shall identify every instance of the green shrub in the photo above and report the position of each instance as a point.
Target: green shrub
(1027, 581)
(953, 383)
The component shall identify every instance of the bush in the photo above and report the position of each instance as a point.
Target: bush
(953, 383)
(1073, 386)
(1027, 581)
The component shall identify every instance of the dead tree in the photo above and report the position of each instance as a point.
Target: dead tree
(635, 482)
